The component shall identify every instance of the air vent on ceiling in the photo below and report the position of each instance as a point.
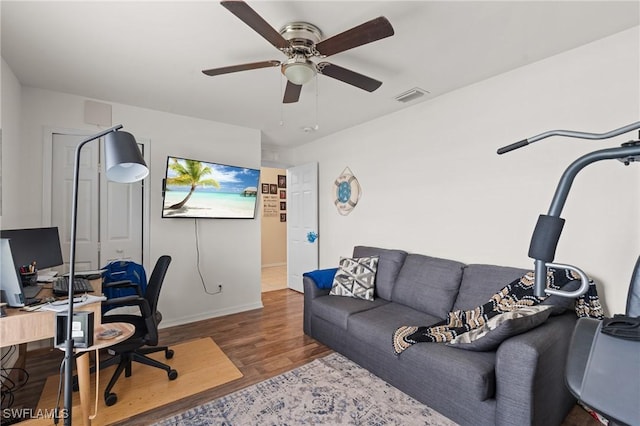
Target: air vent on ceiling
(410, 95)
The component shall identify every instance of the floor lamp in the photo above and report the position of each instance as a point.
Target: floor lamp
(123, 164)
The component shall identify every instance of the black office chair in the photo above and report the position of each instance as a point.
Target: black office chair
(145, 338)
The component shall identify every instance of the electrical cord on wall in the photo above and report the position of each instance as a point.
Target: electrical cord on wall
(204, 285)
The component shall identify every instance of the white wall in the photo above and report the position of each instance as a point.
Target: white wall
(229, 249)
(10, 122)
(10, 125)
(432, 181)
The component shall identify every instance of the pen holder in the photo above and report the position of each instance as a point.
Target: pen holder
(29, 278)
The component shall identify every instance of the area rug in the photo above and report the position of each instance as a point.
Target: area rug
(328, 391)
(200, 363)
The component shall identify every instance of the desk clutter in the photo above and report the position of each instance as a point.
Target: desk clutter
(28, 277)
(109, 334)
(81, 329)
(50, 304)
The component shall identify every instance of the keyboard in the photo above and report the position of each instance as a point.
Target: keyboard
(80, 285)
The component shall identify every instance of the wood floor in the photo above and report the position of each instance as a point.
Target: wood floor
(274, 277)
(262, 343)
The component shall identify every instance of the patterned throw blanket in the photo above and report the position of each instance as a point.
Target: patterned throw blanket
(515, 296)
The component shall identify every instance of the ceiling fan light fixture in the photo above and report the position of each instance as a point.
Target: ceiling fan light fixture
(299, 71)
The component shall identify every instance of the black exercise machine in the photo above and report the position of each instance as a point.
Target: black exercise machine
(603, 363)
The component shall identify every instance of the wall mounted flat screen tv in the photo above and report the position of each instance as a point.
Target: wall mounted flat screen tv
(204, 190)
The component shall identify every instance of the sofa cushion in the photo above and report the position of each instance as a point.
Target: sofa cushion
(356, 277)
(448, 368)
(375, 327)
(389, 264)
(428, 284)
(337, 310)
(461, 375)
(480, 282)
(501, 327)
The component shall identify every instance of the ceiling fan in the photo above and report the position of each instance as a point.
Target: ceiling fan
(300, 41)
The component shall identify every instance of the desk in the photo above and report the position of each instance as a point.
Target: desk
(20, 327)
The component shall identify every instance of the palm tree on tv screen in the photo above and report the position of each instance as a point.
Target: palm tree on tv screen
(190, 173)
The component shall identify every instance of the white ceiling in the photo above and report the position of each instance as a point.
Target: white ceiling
(150, 54)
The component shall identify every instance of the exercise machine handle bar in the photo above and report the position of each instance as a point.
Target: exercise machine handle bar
(571, 134)
(549, 227)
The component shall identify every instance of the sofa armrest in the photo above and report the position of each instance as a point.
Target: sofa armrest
(530, 374)
(311, 291)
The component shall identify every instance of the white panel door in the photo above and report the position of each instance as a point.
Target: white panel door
(109, 222)
(120, 221)
(302, 218)
(87, 238)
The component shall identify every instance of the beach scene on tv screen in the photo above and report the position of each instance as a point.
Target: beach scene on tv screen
(209, 190)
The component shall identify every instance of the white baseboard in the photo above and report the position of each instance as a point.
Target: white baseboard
(210, 314)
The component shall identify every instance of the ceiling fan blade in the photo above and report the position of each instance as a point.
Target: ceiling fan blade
(241, 67)
(368, 32)
(250, 17)
(291, 93)
(350, 77)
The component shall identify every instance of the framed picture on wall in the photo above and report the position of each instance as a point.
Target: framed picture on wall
(282, 181)
(283, 194)
(283, 205)
(273, 188)
(283, 217)
(265, 188)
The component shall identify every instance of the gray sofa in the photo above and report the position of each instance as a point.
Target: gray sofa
(520, 383)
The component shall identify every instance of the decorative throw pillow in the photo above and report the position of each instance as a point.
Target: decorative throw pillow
(501, 327)
(355, 277)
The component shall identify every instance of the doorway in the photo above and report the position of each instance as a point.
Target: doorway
(273, 216)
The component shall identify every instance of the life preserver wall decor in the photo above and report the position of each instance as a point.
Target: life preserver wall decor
(347, 192)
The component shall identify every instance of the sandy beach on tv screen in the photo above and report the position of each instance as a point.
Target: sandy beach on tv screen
(231, 207)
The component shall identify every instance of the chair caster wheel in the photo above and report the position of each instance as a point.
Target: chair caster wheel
(110, 399)
(168, 354)
(173, 374)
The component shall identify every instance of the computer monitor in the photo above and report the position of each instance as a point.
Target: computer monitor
(40, 245)
(10, 286)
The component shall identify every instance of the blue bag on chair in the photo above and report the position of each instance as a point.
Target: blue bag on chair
(124, 270)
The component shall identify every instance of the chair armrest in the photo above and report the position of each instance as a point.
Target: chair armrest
(530, 374)
(133, 300)
(123, 284)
